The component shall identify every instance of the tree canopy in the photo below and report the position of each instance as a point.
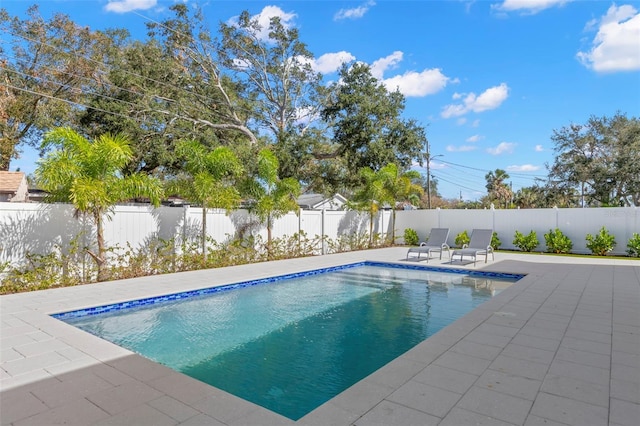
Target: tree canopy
(247, 86)
(368, 129)
(42, 84)
(601, 159)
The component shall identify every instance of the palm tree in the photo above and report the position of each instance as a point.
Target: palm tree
(398, 186)
(89, 174)
(496, 187)
(529, 197)
(270, 196)
(207, 179)
(369, 197)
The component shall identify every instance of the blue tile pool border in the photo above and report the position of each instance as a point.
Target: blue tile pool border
(226, 287)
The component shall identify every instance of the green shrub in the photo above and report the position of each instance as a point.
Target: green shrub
(350, 242)
(39, 272)
(297, 245)
(526, 242)
(411, 237)
(557, 242)
(495, 241)
(462, 239)
(633, 246)
(602, 243)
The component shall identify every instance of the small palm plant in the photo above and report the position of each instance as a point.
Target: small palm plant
(270, 196)
(369, 197)
(208, 178)
(398, 186)
(90, 175)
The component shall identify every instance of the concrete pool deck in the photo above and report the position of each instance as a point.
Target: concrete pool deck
(561, 346)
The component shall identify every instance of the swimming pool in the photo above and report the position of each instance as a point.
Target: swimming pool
(294, 344)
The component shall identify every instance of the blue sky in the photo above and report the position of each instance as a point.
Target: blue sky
(489, 80)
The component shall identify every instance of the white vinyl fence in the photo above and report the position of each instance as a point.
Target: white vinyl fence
(621, 222)
(42, 228)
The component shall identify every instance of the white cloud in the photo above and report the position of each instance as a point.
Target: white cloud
(616, 46)
(453, 111)
(123, 6)
(527, 6)
(434, 165)
(475, 123)
(523, 168)
(354, 13)
(331, 62)
(462, 148)
(491, 98)
(539, 148)
(502, 148)
(411, 83)
(383, 64)
(417, 84)
(264, 20)
(461, 120)
(474, 138)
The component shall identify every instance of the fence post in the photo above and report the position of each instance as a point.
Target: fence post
(299, 226)
(493, 217)
(85, 245)
(322, 251)
(185, 216)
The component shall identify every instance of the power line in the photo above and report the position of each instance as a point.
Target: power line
(33, 92)
(487, 171)
(460, 178)
(457, 184)
(108, 69)
(72, 89)
(204, 100)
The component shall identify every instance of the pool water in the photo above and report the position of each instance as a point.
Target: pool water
(293, 344)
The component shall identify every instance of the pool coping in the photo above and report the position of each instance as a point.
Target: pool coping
(183, 295)
(533, 328)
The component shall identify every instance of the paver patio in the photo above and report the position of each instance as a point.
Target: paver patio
(559, 347)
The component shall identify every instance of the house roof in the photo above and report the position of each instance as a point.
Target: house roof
(313, 200)
(10, 182)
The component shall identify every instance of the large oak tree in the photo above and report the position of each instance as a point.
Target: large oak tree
(601, 159)
(367, 124)
(45, 68)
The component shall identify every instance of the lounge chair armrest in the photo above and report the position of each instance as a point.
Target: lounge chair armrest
(445, 246)
(464, 246)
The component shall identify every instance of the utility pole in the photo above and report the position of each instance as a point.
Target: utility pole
(428, 157)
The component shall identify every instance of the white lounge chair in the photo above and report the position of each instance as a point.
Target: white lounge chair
(437, 242)
(479, 244)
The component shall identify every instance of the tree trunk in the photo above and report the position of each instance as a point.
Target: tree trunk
(100, 258)
(204, 234)
(393, 224)
(370, 229)
(269, 238)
